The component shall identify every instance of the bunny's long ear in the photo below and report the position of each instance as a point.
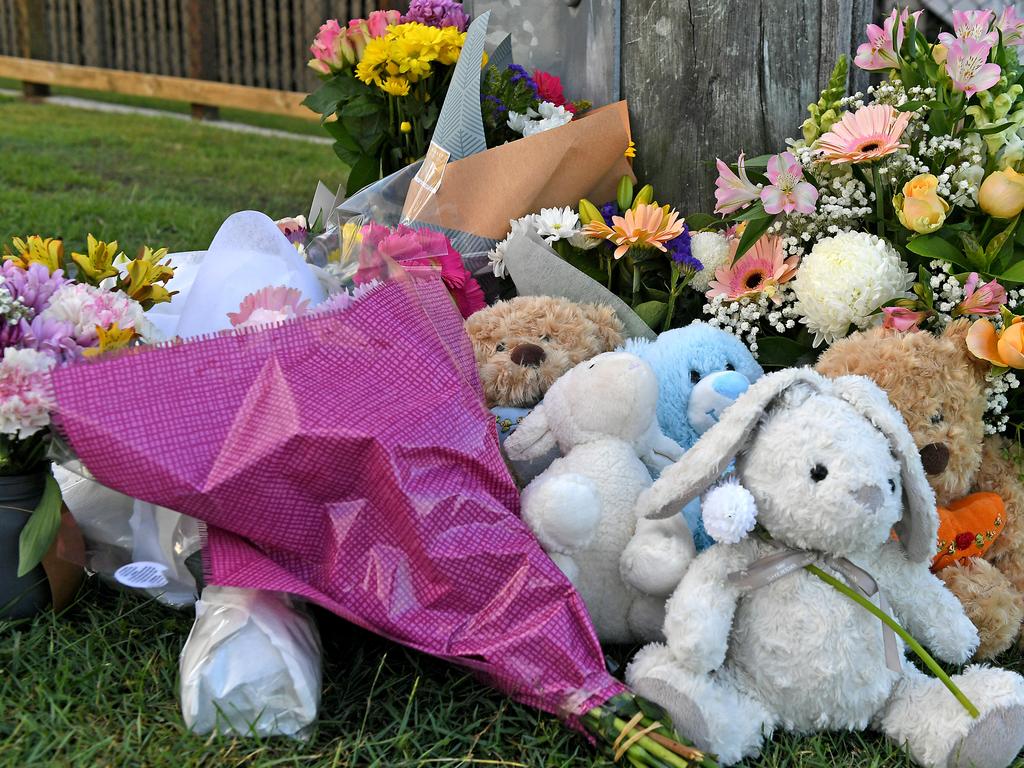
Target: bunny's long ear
(704, 463)
(919, 526)
(533, 437)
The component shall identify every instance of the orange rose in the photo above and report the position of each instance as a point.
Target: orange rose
(1005, 349)
(919, 208)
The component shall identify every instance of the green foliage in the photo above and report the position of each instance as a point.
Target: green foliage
(826, 111)
(501, 92)
(41, 528)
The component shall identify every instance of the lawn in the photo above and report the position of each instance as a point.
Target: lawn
(98, 684)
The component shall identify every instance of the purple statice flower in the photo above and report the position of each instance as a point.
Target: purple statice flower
(33, 287)
(679, 251)
(608, 210)
(438, 13)
(520, 75)
(498, 103)
(52, 337)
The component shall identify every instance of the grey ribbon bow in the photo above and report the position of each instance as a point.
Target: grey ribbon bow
(773, 567)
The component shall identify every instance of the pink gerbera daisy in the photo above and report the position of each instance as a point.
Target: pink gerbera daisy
(762, 269)
(272, 304)
(865, 135)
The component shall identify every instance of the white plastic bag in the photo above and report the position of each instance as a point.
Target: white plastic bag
(250, 666)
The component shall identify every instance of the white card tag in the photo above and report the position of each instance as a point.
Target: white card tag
(142, 575)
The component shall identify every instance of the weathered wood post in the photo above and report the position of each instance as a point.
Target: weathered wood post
(202, 51)
(32, 42)
(708, 78)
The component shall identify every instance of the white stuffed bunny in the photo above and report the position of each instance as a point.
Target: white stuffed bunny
(602, 416)
(756, 642)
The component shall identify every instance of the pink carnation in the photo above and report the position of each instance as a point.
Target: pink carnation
(25, 399)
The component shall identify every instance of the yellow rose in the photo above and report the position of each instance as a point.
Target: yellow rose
(919, 208)
(1002, 194)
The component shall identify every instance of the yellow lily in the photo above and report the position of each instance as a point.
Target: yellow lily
(110, 339)
(98, 263)
(37, 250)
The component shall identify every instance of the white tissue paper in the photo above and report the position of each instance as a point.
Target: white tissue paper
(250, 666)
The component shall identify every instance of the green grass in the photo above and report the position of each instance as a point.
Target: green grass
(97, 686)
(258, 119)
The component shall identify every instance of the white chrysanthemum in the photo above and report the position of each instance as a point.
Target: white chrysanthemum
(729, 512)
(557, 223)
(844, 280)
(544, 118)
(85, 308)
(25, 402)
(712, 250)
(585, 242)
(496, 257)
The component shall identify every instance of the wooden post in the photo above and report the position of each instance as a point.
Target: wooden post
(202, 51)
(708, 78)
(32, 42)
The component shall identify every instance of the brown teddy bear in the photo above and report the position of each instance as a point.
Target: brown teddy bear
(938, 387)
(525, 344)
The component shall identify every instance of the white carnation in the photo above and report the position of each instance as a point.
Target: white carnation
(712, 250)
(844, 280)
(729, 512)
(544, 118)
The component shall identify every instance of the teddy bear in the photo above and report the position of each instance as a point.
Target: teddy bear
(938, 387)
(760, 634)
(602, 416)
(523, 345)
(701, 371)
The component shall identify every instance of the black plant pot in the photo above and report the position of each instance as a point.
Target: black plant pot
(26, 596)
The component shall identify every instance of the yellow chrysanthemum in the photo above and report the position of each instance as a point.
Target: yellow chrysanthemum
(97, 263)
(375, 57)
(34, 249)
(395, 86)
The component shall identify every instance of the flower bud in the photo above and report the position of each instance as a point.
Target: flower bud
(644, 196)
(589, 212)
(624, 193)
(1002, 194)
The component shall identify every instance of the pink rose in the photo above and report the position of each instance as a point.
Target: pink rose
(379, 21)
(332, 47)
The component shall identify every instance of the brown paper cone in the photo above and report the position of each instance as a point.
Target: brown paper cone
(480, 193)
(64, 560)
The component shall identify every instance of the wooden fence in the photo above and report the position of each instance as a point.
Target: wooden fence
(256, 43)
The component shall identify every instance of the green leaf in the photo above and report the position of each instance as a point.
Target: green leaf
(652, 313)
(585, 262)
(362, 106)
(782, 352)
(995, 245)
(752, 234)
(761, 161)
(698, 221)
(935, 247)
(41, 529)
(1014, 274)
(325, 99)
(990, 129)
(755, 212)
(337, 129)
(911, 106)
(973, 250)
(365, 171)
(346, 155)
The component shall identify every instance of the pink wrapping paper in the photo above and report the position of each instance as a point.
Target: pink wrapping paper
(348, 458)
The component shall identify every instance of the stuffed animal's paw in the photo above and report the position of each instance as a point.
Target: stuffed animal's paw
(563, 511)
(956, 640)
(658, 555)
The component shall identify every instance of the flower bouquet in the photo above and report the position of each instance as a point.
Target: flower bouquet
(345, 455)
(385, 78)
(900, 206)
(54, 311)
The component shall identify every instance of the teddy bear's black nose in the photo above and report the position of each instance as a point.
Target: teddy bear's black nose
(934, 458)
(529, 355)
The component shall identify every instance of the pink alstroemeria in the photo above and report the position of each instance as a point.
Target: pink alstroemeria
(971, 25)
(984, 299)
(732, 192)
(884, 42)
(788, 191)
(902, 319)
(967, 65)
(1012, 27)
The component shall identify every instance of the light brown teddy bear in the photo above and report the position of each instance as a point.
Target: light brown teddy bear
(938, 387)
(525, 344)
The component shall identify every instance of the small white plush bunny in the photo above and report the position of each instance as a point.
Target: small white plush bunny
(602, 416)
(756, 642)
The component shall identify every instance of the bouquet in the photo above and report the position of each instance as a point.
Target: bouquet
(900, 206)
(386, 77)
(54, 311)
(345, 455)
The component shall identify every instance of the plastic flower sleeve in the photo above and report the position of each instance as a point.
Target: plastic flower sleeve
(346, 456)
(251, 665)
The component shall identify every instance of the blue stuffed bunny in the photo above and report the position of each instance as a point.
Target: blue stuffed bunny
(701, 371)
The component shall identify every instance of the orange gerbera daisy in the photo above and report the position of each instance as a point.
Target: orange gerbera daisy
(865, 135)
(762, 269)
(646, 226)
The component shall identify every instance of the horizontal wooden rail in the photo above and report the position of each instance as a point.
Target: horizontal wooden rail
(156, 86)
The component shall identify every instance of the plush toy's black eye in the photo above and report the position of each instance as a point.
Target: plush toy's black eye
(694, 377)
(938, 418)
(500, 347)
(730, 367)
(545, 337)
(591, 366)
(892, 486)
(819, 472)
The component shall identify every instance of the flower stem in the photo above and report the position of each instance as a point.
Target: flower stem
(876, 178)
(636, 284)
(910, 641)
(673, 291)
